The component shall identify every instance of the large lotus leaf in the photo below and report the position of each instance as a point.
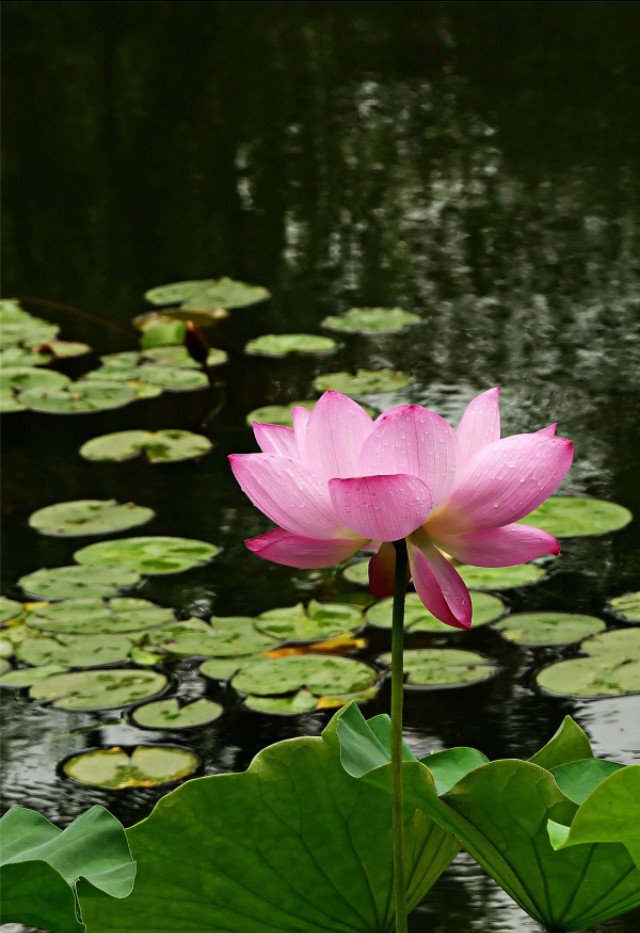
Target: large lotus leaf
(89, 517)
(444, 667)
(626, 607)
(74, 650)
(41, 865)
(98, 617)
(293, 844)
(77, 581)
(371, 321)
(278, 345)
(417, 618)
(278, 414)
(321, 674)
(568, 517)
(24, 378)
(166, 446)
(569, 743)
(499, 811)
(208, 293)
(10, 610)
(170, 714)
(501, 578)
(364, 382)
(591, 677)
(78, 398)
(151, 555)
(577, 779)
(548, 628)
(99, 689)
(143, 766)
(317, 621)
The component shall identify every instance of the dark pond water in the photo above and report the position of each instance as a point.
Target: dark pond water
(473, 162)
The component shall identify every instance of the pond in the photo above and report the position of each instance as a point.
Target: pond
(474, 164)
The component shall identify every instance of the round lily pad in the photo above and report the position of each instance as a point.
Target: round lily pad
(149, 555)
(317, 621)
(292, 705)
(591, 677)
(278, 414)
(179, 356)
(170, 714)
(9, 402)
(364, 382)
(568, 517)
(208, 293)
(620, 643)
(144, 766)
(548, 628)
(98, 617)
(221, 668)
(371, 321)
(278, 345)
(74, 650)
(5, 667)
(78, 398)
(626, 607)
(26, 330)
(166, 446)
(501, 578)
(89, 517)
(63, 349)
(9, 610)
(26, 676)
(321, 674)
(176, 292)
(6, 648)
(76, 581)
(23, 378)
(99, 689)
(444, 667)
(357, 573)
(21, 356)
(173, 379)
(195, 638)
(417, 618)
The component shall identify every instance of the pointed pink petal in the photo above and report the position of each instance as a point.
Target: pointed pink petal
(479, 425)
(381, 508)
(413, 440)
(501, 547)
(439, 585)
(504, 482)
(336, 431)
(300, 419)
(288, 493)
(550, 430)
(382, 569)
(276, 439)
(281, 547)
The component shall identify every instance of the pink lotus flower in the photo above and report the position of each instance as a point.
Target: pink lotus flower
(338, 481)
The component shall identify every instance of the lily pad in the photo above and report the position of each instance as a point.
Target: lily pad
(569, 517)
(98, 617)
(179, 356)
(23, 378)
(195, 638)
(173, 379)
(9, 402)
(278, 345)
(24, 356)
(278, 414)
(622, 643)
(221, 668)
(371, 321)
(6, 648)
(78, 398)
(26, 676)
(77, 581)
(501, 578)
(321, 674)
(149, 555)
(364, 382)
(612, 668)
(143, 766)
(626, 607)
(208, 293)
(548, 628)
(99, 689)
(74, 651)
(164, 335)
(444, 667)
(5, 667)
(152, 319)
(89, 517)
(170, 714)
(293, 705)
(358, 573)
(176, 292)
(27, 331)
(9, 610)
(166, 446)
(317, 621)
(485, 607)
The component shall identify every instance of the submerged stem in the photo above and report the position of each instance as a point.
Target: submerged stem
(397, 640)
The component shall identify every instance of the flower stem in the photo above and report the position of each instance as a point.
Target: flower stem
(397, 640)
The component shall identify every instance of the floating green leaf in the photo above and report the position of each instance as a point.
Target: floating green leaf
(278, 414)
(6, 648)
(89, 517)
(577, 779)
(144, 766)
(9, 402)
(164, 335)
(612, 668)
(23, 378)
(5, 667)
(193, 638)
(486, 609)
(501, 578)
(444, 667)
(548, 628)
(19, 678)
(221, 668)
(149, 555)
(176, 292)
(371, 321)
(77, 581)
(78, 398)
(358, 573)
(74, 650)
(26, 330)
(10, 610)
(167, 446)
(364, 382)
(121, 614)
(21, 356)
(620, 643)
(292, 705)
(278, 345)
(170, 714)
(626, 607)
(568, 517)
(317, 621)
(179, 356)
(321, 674)
(99, 689)
(208, 293)
(176, 379)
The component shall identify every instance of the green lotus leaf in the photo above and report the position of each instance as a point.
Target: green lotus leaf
(577, 779)
(6, 648)
(591, 677)
(170, 334)
(24, 356)
(176, 292)
(19, 678)
(222, 668)
(626, 607)
(5, 668)
(278, 414)
(144, 766)
(74, 650)
(622, 644)
(99, 689)
(23, 378)
(313, 623)
(170, 714)
(364, 382)
(569, 517)
(444, 667)
(371, 321)
(89, 517)
(292, 705)
(63, 349)
(501, 578)
(149, 555)
(278, 345)
(173, 379)
(226, 293)
(27, 331)
(9, 402)
(195, 638)
(179, 356)
(165, 446)
(569, 743)
(76, 581)
(548, 628)
(78, 398)
(10, 610)
(486, 609)
(123, 445)
(98, 617)
(321, 674)
(358, 573)
(41, 865)
(303, 861)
